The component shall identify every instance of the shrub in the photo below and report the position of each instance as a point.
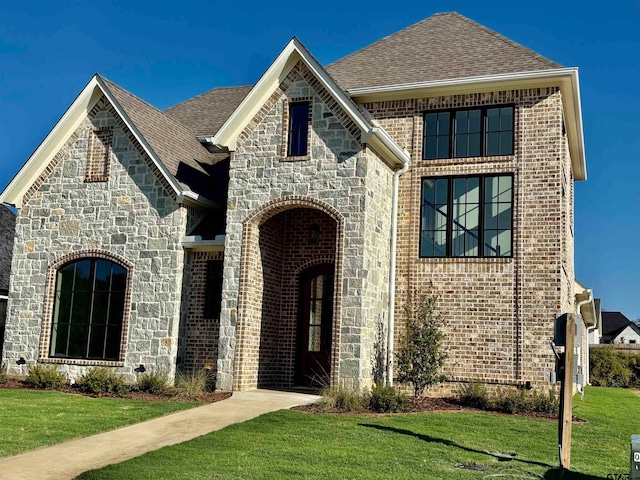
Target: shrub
(152, 382)
(4, 378)
(342, 399)
(386, 399)
(45, 377)
(511, 400)
(474, 395)
(421, 355)
(101, 380)
(613, 368)
(192, 384)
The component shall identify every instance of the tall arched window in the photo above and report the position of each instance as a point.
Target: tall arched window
(88, 310)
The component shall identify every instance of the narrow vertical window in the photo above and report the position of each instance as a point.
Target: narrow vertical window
(213, 292)
(467, 125)
(466, 217)
(100, 146)
(298, 129)
(433, 235)
(498, 204)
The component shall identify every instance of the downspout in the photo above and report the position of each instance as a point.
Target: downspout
(392, 270)
(578, 306)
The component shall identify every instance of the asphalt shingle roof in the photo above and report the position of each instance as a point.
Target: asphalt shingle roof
(7, 233)
(206, 113)
(443, 46)
(613, 323)
(174, 143)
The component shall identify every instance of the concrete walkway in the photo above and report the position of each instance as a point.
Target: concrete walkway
(67, 460)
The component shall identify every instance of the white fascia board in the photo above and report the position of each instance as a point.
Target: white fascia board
(228, 134)
(51, 145)
(565, 78)
(189, 197)
(136, 133)
(195, 243)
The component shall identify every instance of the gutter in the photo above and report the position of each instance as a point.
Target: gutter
(578, 306)
(392, 270)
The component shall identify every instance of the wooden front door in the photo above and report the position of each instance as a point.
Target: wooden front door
(315, 318)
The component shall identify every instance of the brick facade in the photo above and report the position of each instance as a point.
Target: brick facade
(499, 312)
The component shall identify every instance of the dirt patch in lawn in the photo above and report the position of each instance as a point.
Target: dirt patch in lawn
(170, 396)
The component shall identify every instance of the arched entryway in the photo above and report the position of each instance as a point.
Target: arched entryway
(288, 308)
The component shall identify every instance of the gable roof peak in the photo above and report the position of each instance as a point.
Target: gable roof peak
(443, 46)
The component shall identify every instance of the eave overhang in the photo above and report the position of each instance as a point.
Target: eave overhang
(14, 193)
(566, 78)
(226, 138)
(587, 310)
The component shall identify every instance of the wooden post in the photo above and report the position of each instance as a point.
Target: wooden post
(566, 394)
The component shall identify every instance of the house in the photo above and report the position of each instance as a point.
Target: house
(618, 329)
(267, 233)
(7, 229)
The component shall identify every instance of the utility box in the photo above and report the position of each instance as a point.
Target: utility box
(635, 457)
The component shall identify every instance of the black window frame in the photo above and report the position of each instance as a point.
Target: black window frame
(298, 129)
(89, 323)
(482, 226)
(451, 134)
(213, 290)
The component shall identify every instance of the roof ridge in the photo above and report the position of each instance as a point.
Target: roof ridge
(205, 93)
(504, 39)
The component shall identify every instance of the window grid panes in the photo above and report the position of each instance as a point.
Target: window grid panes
(88, 310)
(464, 133)
(467, 216)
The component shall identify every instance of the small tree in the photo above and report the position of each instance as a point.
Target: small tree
(421, 355)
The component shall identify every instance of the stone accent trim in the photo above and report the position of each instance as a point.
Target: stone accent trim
(47, 309)
(99, 154)
(244, 373)
(285, 129)
(300, 70)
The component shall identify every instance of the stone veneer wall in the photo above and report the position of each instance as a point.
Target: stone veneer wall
(332, 181)
(198, 338)
(130, 216)
(499, 312)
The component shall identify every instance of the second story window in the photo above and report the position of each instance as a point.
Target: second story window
(298, 129)
(477, 132)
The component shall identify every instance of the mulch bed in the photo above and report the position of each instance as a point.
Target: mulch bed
(428, 404)
(204, 397)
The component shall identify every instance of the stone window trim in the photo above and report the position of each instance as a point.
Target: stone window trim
(99, 150)
(285, 157)
(47, 309)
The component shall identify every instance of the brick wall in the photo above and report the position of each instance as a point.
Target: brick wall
(498, 312)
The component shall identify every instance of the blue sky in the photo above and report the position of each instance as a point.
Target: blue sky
(167, 52)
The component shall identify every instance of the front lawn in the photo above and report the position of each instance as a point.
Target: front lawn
(31, 419)
(292, 444)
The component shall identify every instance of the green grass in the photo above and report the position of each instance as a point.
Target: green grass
(31, 419)
(291, 444)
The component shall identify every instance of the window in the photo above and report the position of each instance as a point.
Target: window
(100, 147)
(467, 216)
(213, 292)
(474, 132)
(298, 129)
(88, 310)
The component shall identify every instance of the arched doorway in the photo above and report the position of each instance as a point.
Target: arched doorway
(290, 270)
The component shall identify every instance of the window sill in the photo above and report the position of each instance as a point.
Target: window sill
(82, 362)
(466, 259)
(300, 158)
(466, 160)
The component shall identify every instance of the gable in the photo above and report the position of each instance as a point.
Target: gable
(175, 154)
(268, 90)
